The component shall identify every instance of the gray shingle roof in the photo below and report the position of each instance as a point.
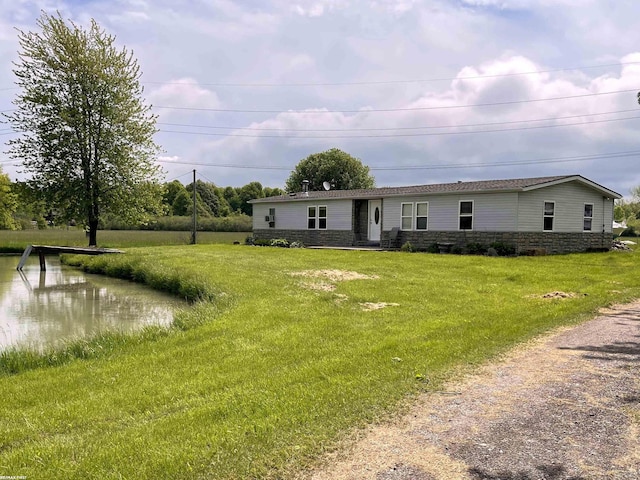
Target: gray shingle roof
(515, 184)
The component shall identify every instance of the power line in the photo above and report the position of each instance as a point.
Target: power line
(577, 158)
(408, 109)
(380, 82)
(207, 179)
(377, 110)
(179, 176)
(436, 134)
(548, 119)
(398, 135)
(388, 82)
(512, 122)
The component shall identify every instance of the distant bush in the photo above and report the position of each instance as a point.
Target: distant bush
(279, 242)
(433, 248)
(534, 252)
(629, 232)
(234, 223)
(273, 242)
(503, 249)
(407, 247)
(476, 248)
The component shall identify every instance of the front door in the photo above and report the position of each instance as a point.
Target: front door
(375, 220)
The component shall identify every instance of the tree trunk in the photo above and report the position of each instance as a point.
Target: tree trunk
(93, 233)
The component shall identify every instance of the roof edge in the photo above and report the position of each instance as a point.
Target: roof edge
(572, 178)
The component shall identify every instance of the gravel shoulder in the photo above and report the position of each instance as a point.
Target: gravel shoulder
(564, 407)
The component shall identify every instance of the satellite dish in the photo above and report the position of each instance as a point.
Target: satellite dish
(326, 185)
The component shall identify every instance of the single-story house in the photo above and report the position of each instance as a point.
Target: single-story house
(559, 214)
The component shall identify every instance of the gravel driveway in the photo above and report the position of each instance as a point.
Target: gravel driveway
(566, 406)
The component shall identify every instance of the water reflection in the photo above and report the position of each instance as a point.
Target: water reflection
(42, 308)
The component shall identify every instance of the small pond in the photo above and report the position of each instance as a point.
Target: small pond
(40, 309)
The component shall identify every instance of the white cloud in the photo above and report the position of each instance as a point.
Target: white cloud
(182, 93)
(164, 158)
(317, 8)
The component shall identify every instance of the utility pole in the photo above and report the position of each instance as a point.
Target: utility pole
(193, 232)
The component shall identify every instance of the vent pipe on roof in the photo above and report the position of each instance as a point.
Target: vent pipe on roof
(305, 188)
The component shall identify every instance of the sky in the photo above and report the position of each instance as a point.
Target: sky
(420, 91)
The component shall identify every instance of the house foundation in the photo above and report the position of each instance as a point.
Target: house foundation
(524, 242)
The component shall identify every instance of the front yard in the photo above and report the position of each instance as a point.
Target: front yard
(286, 353)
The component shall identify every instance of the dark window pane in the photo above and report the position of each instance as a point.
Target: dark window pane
(549, 208)
(312, 212)
(465, 223)
(421, 223)
(322, 211)
(322, 223)
(466, 207)
(587, 224)
(588, 210)
(311, 223)
(548, 223)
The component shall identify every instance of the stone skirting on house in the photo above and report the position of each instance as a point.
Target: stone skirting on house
(332, 238)
(524, 242)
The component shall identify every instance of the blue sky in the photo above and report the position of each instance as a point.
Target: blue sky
(422, 92)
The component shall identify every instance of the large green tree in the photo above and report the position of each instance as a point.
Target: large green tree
(343, 171)
(207, 192)
(8, 204)
(88, 135)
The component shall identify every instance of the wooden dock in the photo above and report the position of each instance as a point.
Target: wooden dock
(43, 250)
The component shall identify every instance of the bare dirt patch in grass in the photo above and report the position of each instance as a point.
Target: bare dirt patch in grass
(334, 275)
(370, 306)
(319, 286)
(556, 295)
(325, 281)
(565, 406)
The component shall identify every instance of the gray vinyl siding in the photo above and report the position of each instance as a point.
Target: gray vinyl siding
(494, 212)
(293, 215)
(569, 199)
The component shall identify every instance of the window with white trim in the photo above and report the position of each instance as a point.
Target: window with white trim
(548, 216)
(311, 217)
(422, 215)
(465, 211)
(271, 218)
(322, 217)
(317, 217)
(406, 216)
(588, 217)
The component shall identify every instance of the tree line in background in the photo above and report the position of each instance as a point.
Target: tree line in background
(218, 208)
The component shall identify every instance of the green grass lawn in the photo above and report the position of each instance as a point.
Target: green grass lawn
(269, 370)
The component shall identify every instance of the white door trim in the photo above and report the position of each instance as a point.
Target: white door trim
(375, 220)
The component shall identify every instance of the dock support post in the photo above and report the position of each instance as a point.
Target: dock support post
(25, 255)
(43, 266)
